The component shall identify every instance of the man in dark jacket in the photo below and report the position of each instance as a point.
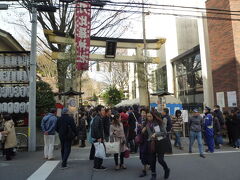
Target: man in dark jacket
(132, 120)
(165, 115)
(65, 127)
(219, 115)
(97, 132)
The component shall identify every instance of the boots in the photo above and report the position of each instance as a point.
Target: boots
(166, 173)
(154, 177)
(144, 173)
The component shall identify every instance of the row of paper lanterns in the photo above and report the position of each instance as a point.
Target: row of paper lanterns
(14, 76)
(14, 107)
(14, 61)
(18, 91)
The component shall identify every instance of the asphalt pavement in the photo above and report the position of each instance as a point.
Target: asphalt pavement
(222, 165)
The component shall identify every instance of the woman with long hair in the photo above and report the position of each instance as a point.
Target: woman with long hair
(10, 136)
(155, 130)
(117, 134)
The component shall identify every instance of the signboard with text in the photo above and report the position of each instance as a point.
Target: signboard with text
(82, 34)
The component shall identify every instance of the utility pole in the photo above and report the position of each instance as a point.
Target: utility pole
(32, 79)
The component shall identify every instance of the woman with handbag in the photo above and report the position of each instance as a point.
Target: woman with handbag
(156, 132)
(117, 135)
(10, 136)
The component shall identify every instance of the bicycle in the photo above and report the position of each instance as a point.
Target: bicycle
(22, 141)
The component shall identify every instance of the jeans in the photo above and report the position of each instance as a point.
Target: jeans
(153, 160)
(196, 135)
(97, 163)
(121, 158)
(65, 151)
(237, 143)
(49, 141)
(178, 139)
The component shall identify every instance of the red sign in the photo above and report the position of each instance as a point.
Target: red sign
(82, 34)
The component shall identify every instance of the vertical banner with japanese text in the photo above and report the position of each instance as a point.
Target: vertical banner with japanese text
(82, 34)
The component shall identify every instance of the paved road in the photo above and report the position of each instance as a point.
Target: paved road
(222, 165)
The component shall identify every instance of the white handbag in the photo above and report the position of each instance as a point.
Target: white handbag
(99, 150)
(112, 147)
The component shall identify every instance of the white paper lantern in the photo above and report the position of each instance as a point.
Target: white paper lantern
(8, 61)
(16, 107)
(10, 107)
(14, 61)
(27, 107)
(5, 76)
(11, 92)
(20, 60)
(1, 61)
(16, 92)
(22, 108)
(27, 91)
(4, 107)
(22, 91)
(4, 92)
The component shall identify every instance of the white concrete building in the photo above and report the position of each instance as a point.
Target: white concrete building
(182, 33)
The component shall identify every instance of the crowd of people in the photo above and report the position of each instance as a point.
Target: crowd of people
(137, 129)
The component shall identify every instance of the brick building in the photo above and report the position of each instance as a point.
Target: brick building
(224, 45)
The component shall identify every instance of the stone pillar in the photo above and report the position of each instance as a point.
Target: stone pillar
(206, 62)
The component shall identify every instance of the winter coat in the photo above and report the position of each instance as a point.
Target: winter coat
(97, 128)
(195, 123)
(82, 130)
(236, 127)
(208, 125)
(219, 115)
(177, 124)
(132, 119)
(11, 140)
(106, 126)
(216, 126)
(117, 134)
(48, 124)
(62, 126)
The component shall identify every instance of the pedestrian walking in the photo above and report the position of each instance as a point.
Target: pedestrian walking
(229, 124)
(177, 127)
(9, 136)
(217, 131)
(195, 127)
(132, 120)
(67, 131)
(236, 128)
(143, 142)
(48, 125)
(156, 131)
(117, 135)
(166, 117)
(97, 132)
(81, 128)
(219, 115)
(208, 129)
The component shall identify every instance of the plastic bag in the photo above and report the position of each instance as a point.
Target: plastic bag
(112, 147)
(99, 150)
